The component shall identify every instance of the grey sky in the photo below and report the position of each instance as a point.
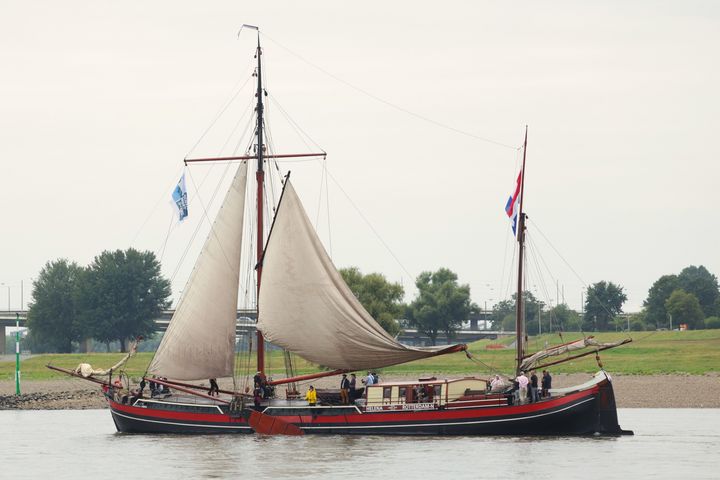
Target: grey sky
(102, 100)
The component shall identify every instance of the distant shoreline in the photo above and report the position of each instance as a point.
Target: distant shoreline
(631, 391)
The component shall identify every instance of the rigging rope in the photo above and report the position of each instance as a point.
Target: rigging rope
(392, 105)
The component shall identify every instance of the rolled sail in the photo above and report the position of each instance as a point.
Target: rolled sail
(305, 306)
(200, 339)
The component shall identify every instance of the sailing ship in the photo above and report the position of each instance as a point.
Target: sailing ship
(305, 307)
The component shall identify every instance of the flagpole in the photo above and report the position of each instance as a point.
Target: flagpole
(519, 320)
(17, 353)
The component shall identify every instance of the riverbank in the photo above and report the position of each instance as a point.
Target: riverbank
(631, 391)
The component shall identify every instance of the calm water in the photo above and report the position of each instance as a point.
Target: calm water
(668, 443)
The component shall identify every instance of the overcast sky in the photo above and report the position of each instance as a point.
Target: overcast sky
(100, 102)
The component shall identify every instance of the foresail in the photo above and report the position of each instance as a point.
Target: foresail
(200, 339)
(305, 306)
(587, 342)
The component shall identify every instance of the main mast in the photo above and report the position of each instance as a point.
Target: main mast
(519, 320)
(260, 175)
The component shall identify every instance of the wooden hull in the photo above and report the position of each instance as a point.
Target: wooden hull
(586, 412)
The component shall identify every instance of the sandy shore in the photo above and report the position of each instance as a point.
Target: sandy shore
(631, 391)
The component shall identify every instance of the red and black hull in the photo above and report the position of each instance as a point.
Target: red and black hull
(586, 412)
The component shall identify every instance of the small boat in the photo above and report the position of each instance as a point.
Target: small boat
(305, 307)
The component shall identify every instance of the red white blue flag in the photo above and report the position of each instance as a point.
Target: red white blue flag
(512, 208)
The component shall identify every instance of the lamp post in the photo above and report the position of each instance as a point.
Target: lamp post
(17, 353)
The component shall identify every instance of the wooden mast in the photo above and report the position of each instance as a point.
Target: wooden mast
(520, 308)
(260, 175)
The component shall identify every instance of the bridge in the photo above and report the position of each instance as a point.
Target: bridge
(245, 326)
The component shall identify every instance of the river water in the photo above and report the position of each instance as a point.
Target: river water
(668, 443)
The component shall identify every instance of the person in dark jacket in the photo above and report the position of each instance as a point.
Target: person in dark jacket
(533, 387)
(214, 389)
(353, 387)
(546, 384)
(344, 390)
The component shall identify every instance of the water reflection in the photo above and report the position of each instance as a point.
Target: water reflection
(81, 444)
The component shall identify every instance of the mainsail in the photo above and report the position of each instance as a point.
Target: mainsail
(200, 339)
(305, 306)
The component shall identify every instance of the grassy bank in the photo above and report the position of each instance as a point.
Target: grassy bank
(692, 352)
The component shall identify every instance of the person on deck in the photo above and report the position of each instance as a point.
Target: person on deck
(164, 388)
(353, 383)
(214, 389)
(257, 398)
(345, 390)
(154, 390)
(311, 396)
(496, 384)
(369, 380)
(546, 384)
(522, 387)
(533, 387)
(376, 378)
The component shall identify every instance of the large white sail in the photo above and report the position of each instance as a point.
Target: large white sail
(200, 340)
(305, 306)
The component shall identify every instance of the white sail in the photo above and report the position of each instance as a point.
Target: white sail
(200, 339)
(305, 306)
(587, 342)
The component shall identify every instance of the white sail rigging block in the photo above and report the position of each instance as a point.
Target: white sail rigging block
(200, 339)
(305, 306)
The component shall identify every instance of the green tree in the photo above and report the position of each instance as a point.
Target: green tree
(603, 302)
(685, 308)
(441, 305)
(563, 318)
(696, 280)
(712, 322)
(656, 314)
(502, 309)
(704, 285)
(121, 294)
(638, 322)
(52, 317)
(382, 299)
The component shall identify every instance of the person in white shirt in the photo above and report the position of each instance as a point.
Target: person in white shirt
(369, 380)
(522, 387)
(496, 384)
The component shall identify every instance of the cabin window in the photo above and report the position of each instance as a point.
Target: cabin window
(387, 393)
(402, 394)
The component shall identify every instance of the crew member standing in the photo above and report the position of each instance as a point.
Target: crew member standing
(345, 390)
(522, 387)
(311, 396)
(546, 384)
(353, 383)
(533, 387)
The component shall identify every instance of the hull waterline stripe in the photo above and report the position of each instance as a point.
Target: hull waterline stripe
(443, 424)
(181, 424)
(367, 426)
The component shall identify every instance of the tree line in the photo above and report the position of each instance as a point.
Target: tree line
(441, 304)
(691, 298)
(114, 298)
(118, 296)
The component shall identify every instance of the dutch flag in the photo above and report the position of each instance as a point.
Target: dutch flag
(512, 208)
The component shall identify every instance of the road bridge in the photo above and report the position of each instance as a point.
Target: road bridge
(246, 326)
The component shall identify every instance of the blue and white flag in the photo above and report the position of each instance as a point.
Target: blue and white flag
(180, 199)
